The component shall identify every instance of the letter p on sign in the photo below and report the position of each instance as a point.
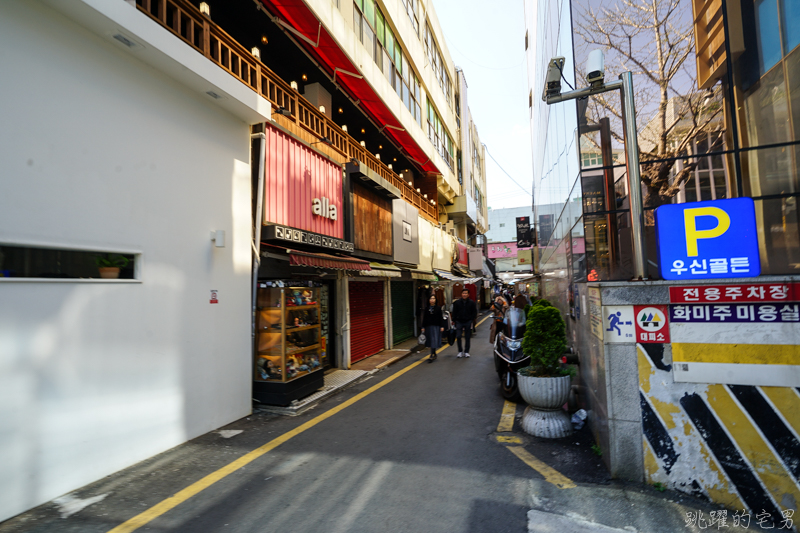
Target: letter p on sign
(693, 234)
(702, 240)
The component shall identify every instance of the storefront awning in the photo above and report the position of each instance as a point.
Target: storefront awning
(380, 270)
(335, 262)
(423, 275)
(452, 277)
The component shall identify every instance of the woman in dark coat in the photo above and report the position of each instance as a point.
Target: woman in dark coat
(433, 324)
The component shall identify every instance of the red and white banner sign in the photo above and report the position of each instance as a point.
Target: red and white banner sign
(746, 292)
(652, 323)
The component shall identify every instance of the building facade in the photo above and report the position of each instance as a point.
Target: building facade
(707, 131)
(279, 178)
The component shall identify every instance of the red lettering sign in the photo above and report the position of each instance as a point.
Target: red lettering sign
(747, 292)
(652, 324)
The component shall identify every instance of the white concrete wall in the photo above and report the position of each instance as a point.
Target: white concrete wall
(436, 247)
(100, 151)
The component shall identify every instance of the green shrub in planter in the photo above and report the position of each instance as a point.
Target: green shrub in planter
(545, 341)
(542, 303)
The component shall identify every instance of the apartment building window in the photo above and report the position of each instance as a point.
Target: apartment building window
(438, 64)
(439, 137)
(411, 9)
(376, 35)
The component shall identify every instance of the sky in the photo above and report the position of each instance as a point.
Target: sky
(487, 40)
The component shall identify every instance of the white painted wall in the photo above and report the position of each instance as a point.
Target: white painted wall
(100, 151)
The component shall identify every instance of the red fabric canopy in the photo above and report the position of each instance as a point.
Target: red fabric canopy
(327, 261)
(298, 15)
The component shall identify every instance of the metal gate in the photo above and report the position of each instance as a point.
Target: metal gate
(367, 330)
(402, 310)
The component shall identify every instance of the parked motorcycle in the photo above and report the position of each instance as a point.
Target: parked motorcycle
(508, 356)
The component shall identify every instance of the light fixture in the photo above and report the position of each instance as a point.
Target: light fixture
(218, 237)
(418, 191)
(433, 202)
(363, 144)
(341, 110)
(401, 174)
(322, 109)
(323, 140)
(390, 166)
(344, 128)
(395, 159)
(293, 85)
(362, 130)
(204, 9)
(256, 52)
(304, 77)
(283, 111)
(380, 147)
(410, 184)
(378, 157)
(424, 195)
(264, 39)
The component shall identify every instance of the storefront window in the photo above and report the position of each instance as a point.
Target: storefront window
(770, 170)
(289, 343)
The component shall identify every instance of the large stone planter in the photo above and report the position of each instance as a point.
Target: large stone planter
(544, 417)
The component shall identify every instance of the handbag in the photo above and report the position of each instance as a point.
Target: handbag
(451, 336)
(422, 338)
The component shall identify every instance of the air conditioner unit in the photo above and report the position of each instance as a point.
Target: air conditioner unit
(450, 228)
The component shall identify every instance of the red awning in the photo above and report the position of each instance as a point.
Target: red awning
(335, 262)
(318, 42)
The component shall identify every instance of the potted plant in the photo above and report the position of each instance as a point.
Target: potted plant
(544, 385)
(108, 265)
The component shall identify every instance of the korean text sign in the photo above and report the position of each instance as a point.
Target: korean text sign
(704, 240)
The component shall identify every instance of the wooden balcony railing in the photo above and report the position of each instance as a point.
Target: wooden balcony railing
(187, 23)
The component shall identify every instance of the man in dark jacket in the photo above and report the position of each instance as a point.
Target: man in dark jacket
(464, 313)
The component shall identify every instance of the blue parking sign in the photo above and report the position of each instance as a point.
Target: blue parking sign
(702, 240)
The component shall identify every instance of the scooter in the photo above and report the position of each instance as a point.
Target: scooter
(508, 356)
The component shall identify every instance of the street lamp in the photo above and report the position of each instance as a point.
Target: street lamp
(595, 72)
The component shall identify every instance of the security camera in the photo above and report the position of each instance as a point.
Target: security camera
(596, 67)
(552, 84)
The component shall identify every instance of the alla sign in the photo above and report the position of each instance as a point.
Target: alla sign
(323, 207)
(703, 240)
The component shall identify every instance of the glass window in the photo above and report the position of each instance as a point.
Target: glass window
(390, 43)
(766, 111)
(360, 4)
(791, 24)
(406, 99)
(769, 44)
(379, 27)
(778, 242)
(33, 262)
(369, 12)
(388, 68)
(368, 40)
(398, 57)
(357, 21)
(770, 171)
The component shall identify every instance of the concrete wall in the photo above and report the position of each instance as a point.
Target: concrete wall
(735, 444)
(103, 152)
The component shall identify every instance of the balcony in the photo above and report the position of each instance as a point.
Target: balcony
(301, 117)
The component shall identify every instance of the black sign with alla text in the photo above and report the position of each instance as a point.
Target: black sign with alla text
(524, 232)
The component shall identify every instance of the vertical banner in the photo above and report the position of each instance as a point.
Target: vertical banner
(523, 232)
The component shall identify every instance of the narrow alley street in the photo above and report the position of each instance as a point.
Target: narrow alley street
(414, 448)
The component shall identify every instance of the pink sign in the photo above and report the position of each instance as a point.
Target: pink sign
(499, 250)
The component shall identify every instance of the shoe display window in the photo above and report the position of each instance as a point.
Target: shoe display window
(288, 339)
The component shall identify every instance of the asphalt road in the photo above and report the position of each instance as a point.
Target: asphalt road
(419, 454)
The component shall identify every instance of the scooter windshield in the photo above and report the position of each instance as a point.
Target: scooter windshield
(514, 323)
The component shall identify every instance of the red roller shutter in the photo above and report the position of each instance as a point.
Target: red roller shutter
(366, 319)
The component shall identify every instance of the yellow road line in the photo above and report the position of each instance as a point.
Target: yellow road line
(507, 418)
(198, 486)
(550, 475)
(508, 439)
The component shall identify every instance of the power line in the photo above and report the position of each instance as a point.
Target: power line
(504, 170)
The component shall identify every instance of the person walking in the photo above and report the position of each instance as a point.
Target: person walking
(433, 324)
(464, 312)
